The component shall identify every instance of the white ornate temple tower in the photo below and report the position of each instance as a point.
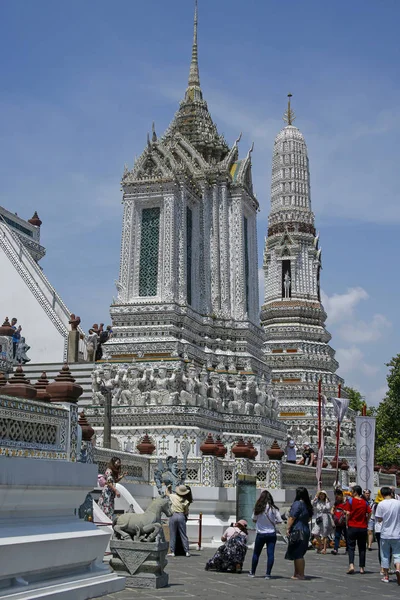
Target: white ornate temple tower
(187, 313)
(188, 276)
(297, 348)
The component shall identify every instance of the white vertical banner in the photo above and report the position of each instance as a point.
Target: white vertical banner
(321, 449)
(365, 444)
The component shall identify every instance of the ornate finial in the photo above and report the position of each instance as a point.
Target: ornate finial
(153, 128)
(289, 116)
(251, 150)
(194, 77)
(148, 140)
(35, 220)
(238, 139)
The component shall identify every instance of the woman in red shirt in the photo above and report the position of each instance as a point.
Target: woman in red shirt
(358, 514)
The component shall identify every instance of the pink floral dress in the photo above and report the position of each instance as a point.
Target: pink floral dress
(107, 498)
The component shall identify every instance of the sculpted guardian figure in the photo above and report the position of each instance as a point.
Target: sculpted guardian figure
(202, 389)
(20, 355)
(237, 405)
(133, 379)
(260, 407)
(108, 384)
(287, 283)
(214, 400)
(250, 395)
(188, 394)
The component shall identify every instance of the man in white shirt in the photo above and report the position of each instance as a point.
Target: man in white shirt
(388, 513)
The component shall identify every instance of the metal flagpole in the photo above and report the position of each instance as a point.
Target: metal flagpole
(338, 440)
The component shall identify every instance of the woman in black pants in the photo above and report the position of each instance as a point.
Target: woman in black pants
(357, 528)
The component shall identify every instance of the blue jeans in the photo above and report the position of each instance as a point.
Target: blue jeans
(338, 534)
(268, 539)
(389, 548)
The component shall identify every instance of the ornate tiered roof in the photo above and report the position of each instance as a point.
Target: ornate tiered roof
(193, 119)
(191, 145)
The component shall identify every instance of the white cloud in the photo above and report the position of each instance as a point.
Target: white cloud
(360, 332)
(340, 307)
(352, 362)
(376, 396)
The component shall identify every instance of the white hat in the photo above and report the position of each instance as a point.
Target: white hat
(182, 490)
(291, 443)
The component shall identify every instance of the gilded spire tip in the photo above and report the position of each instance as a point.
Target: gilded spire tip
(289, 116)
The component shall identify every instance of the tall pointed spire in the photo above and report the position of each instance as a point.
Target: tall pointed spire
(289, 116)
(193, 120)
(194, 77)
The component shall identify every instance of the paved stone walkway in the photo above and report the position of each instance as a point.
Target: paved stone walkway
(326, 575)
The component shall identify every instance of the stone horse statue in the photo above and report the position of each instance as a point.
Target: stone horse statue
(143, 527)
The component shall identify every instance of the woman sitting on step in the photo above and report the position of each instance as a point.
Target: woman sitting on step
(230, 556)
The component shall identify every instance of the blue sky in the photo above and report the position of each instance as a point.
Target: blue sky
(81, 83)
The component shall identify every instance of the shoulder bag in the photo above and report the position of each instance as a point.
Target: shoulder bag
(296, 536)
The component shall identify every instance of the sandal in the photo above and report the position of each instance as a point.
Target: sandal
(350, 572)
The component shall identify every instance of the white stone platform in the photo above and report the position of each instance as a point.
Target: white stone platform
(46, 551)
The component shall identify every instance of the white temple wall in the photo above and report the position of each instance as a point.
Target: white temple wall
(17, 300)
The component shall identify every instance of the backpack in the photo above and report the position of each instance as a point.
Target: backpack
(339, 517)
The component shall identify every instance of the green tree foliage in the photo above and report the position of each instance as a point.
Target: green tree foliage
(356, 401)
(387, 446)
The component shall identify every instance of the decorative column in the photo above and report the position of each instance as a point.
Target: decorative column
(215, 260)
(73, 340)
(225, 271)
(169, 281)
(181, 229)
(209, 470)
(209, 461)
(275, 455)
(126, 264)
(66, 392)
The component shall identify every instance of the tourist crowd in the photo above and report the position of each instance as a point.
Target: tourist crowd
(353, 518)
(95, 340)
